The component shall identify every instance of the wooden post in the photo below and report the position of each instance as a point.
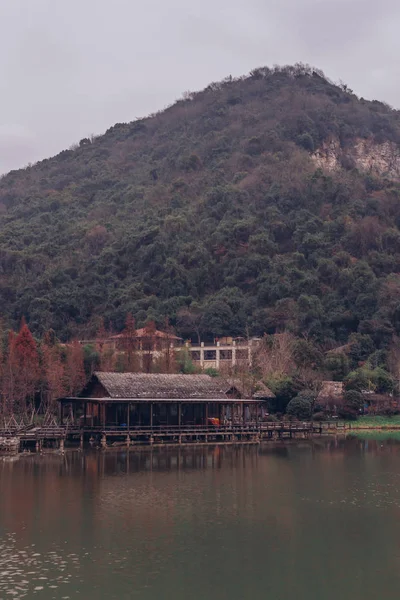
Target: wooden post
(62, 445)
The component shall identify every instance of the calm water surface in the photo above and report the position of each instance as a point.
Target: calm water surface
(316, 520)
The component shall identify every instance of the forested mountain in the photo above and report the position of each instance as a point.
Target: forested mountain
(259, 204)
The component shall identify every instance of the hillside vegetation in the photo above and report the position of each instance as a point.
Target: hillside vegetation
(214, 214)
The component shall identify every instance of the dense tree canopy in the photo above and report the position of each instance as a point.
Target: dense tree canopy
(213, 214)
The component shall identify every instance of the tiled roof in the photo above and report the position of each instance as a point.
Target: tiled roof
(250, 389)
(151, 385)
(262, 391)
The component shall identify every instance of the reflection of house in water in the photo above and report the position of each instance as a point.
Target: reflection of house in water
(155, 400)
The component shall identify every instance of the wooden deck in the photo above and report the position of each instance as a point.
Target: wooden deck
(36, 438)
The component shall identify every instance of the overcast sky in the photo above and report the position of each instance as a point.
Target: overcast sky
(70, 68)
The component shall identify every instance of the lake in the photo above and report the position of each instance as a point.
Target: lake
(304, 520)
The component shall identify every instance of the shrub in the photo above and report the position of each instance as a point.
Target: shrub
(352, 405)
(347, 413)
(271, 419)
(319, 416)
(300, 408)
(185, 362)
(211, 372)
(285, 389)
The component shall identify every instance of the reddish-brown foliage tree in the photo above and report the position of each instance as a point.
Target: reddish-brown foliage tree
(22, 372)
(52, 372)
(74, 369)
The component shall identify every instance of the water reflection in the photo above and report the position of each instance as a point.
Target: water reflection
(204, 522)
(25, 572)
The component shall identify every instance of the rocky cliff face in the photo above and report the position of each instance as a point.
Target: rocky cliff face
(378, 159)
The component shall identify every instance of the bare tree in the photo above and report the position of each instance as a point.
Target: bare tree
(52, 373)
(74, 369)
(105, 349)
(149, 346)
(130, 346)
(312, 381)
(275, 355)
(167, 360)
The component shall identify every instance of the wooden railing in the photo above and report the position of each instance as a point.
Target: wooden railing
(228, 427)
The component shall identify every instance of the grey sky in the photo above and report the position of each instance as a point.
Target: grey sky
(70, 68)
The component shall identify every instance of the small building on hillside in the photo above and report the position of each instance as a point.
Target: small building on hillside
(134, 400)
(224, 354)
(149, 347)
(146, 339)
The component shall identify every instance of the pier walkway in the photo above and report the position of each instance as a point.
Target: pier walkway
(36, 438)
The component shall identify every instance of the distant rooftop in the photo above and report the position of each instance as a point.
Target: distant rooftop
(143, 332)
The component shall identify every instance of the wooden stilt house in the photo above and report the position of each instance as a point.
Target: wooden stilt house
(134, 400)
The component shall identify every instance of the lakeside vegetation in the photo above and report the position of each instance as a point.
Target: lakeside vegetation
(34, 373)
(376, 422)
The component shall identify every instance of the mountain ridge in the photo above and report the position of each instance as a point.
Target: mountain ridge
(215, 209)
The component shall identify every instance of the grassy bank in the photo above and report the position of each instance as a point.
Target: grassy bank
(376, 435)
(378, 422)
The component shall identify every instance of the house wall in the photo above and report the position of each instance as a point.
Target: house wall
(115, 414)
(222, 355)
(95, 390)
